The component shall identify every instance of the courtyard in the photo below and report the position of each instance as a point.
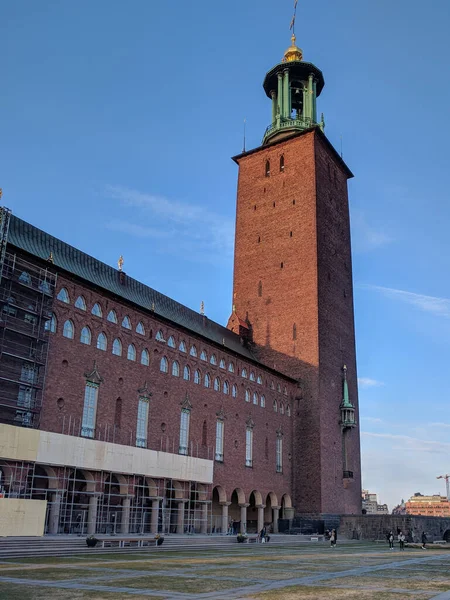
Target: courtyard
(253, 572)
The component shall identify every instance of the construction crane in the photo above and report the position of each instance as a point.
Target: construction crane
(447, 478)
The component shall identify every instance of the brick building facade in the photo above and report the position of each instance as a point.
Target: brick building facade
(127, 411)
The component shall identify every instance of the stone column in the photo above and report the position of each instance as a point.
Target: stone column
(260, 508)
(286, 95)
(55, 509)
(225, 506)
(204, 523)
(280, 96)
(126, 509)
(180, 515)
(276, 516)
(274, 106)
(92, 514)
(244, 517)
(155, 515)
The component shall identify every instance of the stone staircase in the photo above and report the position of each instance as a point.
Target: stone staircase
(69, 545)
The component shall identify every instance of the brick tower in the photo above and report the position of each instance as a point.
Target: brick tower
(293, 293)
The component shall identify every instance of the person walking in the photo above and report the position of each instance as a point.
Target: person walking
(333, 538)
(391, 540)
(424, 540)
(263, 534)
(401, 540)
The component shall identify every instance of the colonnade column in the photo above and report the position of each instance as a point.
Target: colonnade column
(92, 514)
(286, 95)
(55, 509)
(155, 515)
(204, 522)
(260, 508)
(276, 516)
(274, 106)
(180, 514)
(126, 509)
(280, 97)
(244, 517)
(225, 506)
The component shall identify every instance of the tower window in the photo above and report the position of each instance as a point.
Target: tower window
(290, 235)
(267, 168)
(294, 332)
(254, 208)
(281, 164)
(260, 289)
(274, 204)
(282, 265)
(293, 202)
(259, 239)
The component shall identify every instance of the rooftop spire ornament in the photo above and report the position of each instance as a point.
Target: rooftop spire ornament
(120, 262)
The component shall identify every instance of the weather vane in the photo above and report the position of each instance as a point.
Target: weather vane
(292, 26)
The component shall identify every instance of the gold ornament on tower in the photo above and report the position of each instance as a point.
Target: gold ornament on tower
(293, 53)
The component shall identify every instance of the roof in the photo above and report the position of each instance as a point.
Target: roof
(36, 242)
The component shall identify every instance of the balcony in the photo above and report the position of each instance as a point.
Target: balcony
(298, 124)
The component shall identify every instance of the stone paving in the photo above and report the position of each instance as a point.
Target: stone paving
(351, 571)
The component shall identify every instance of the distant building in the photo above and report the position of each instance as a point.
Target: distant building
(400, 509)
(430, 506)
(370, 504)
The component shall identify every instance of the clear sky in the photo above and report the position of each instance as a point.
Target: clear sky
(118, 120)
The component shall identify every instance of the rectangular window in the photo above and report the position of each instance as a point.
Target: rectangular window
(184, 431)
(249, 447)
(142, 423)
(219, 441)
(279, 455)
(89, 410)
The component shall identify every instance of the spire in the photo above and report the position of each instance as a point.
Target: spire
(346, 400)
(293, 52)
(347, 409)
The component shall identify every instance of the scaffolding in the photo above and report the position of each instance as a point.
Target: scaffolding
(26, 301)
(81, 502)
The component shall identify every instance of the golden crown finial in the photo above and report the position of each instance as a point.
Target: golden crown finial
(293, 52)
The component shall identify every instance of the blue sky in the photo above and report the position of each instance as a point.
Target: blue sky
(118, 121)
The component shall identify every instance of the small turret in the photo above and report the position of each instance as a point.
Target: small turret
(347, 408)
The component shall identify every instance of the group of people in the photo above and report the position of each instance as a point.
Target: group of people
(402, 538)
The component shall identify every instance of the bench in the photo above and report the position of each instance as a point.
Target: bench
(129, 541)
(253, 540)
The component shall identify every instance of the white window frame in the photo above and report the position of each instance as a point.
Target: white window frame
(184, 431)
(279, 463)
(70, 329)
(80, 303)
(171, 342)
(131, 352)
(97, 310)
(219, 440)
(89, 410)
(145, 357)
(86, 336)
(140, 328)
(112, 316)
(249, 447)
(117, 347)
(142, 422)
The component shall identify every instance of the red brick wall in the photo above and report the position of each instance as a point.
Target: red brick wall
(283, 253)
(69, 360)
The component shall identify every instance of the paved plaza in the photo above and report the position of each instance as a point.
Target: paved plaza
(255, 572)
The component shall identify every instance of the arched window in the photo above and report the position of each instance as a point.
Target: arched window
(193, 351)
(247, 396)
(294, 332)
(175, 369)
(244, 373)
(117, 347)
(285, 391)
(44, 287)
(131, 354)
(68, 329)
(204, 434)
(217, 384)
(226, 387)
(63, 295)
(186, 373)
(171, 342)
(126, 323)
(112, 317)
(207, 380)
(197, 376)
(140, 328)
(164, 365)
(159, 336)
(272, 385)
(263, 401)
(102, 342)
(267, 170)
(25, 277)
(145, 357)
(182, 346)
(51, 324)
(275, 406)
(281, 408)
(255, 398)
(234, 391)
(203, 355)
(259, 380)
(97, 310)
(231, 367)
(80, 303)
(278, 388)
(222, 364)
(213, 359)
(260, 289)
(85, 337)
(288, 410)
(282, 163)
(252, 376)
